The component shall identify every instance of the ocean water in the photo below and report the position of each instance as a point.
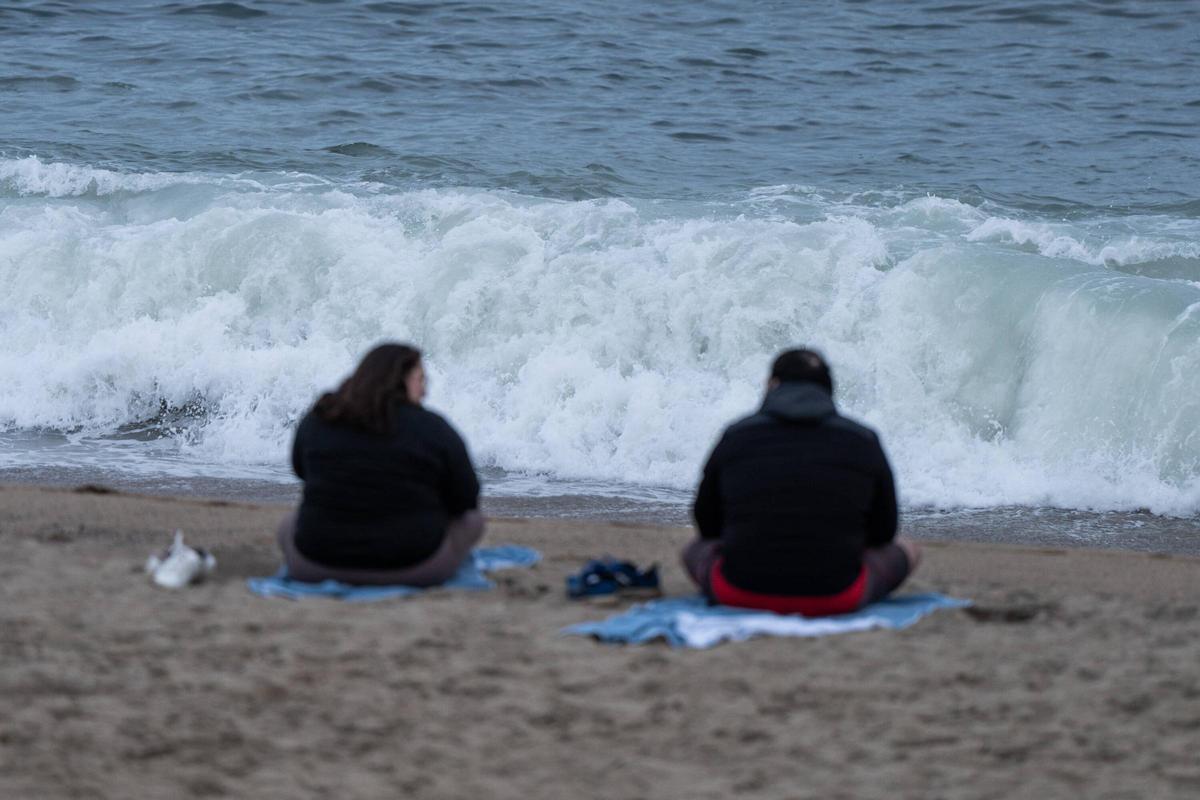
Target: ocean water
(600, 222)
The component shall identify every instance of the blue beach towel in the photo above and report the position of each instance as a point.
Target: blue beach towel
(470, 576)
(692, 622)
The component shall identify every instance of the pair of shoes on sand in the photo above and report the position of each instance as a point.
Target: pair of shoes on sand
(611, 578)
(180, 565)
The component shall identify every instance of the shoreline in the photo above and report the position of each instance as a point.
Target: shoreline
(1071, 676)
(1136, 531)
(1006, 561)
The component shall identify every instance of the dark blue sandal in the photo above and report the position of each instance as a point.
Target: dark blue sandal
(609, 577)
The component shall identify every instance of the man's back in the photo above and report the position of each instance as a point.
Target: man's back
(795, 493)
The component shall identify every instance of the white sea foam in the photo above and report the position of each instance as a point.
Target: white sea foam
(1098, 247)
(32, 176)
(600, 340)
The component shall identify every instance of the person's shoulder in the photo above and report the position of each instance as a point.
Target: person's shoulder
(740, 434)
(758, 418)
(425, 414)
(315, 430)
(853, 426)
(309, 422)
(433, 422)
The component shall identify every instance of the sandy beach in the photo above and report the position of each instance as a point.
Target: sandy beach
(1073, 676)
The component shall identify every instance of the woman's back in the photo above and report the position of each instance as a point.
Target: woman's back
(380, 501)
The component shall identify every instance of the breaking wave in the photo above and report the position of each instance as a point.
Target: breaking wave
(1005, 359)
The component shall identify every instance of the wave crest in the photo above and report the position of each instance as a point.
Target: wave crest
(604, 339)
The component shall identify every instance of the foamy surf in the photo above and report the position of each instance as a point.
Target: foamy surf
(1006, 360)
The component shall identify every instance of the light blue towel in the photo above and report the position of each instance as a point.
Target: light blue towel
(470, 576)
(692, 622)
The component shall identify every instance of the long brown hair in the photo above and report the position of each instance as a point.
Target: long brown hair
(368, 398)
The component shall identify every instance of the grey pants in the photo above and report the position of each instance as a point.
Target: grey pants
(461, 535)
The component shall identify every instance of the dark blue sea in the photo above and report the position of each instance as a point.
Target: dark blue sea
(600, 221)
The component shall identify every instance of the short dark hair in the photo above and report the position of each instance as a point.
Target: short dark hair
(367, 400)
(802, 365)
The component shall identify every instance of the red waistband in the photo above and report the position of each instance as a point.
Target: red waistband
(845, 601)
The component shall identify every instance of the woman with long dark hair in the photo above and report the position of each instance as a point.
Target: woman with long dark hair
(390, 495)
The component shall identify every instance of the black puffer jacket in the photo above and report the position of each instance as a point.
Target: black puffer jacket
(795, 493)
(380, 502)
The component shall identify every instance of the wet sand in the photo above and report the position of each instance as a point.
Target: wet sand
(1073, 676)
(1039, 527)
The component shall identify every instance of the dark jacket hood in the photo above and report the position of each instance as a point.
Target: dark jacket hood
(799, 401)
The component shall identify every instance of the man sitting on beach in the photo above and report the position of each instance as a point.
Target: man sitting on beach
(797, 506)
